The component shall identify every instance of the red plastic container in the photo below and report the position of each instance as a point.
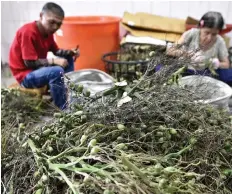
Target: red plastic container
(224, 31)
(95, 35)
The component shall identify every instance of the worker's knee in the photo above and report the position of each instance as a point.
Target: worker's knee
(57, 71)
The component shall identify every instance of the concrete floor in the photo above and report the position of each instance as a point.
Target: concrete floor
(6, 76)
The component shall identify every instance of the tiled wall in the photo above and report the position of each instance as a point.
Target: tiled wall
(15, 13)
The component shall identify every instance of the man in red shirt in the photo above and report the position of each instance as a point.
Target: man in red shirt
(28, 55)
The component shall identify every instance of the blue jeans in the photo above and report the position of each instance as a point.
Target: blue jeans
(225, 75)
(52, 76)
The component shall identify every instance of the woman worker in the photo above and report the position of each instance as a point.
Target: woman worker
(210, 45)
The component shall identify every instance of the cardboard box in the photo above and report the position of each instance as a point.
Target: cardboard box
(166, 36)
(158, 27)
(191, 21)
(154, 22)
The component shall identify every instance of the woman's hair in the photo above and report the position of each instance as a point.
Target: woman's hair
(212, 20)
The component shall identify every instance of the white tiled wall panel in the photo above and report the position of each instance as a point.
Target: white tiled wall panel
(15, 13)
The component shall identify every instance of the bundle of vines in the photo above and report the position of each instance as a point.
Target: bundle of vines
(138, 52)
(149, 136)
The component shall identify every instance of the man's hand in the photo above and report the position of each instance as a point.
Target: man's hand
(65, 53)
(74, 52)
(60, 62)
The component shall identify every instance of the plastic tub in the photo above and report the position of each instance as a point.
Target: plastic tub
(215, 92)
(95, 36)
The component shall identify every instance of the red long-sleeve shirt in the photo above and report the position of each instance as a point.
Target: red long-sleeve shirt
(28, 44)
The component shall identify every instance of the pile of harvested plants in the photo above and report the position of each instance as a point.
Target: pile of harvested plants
(144, 137)
(20, 113)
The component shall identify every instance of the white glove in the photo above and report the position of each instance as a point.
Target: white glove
(198, 61)
(198, 57)
(215, 62)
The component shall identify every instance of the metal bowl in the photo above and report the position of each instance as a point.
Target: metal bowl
(92, 79)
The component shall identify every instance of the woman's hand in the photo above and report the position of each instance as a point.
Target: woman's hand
(198, 57)
(198, 61)
(215, 63)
